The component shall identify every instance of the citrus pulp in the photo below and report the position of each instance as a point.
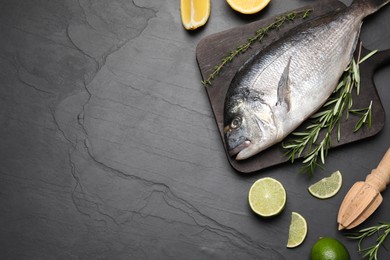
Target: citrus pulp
(267, 197)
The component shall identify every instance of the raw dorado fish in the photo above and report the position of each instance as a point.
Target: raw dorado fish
(282, 85)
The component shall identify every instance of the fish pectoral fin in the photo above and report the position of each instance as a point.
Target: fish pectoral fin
(284, 88)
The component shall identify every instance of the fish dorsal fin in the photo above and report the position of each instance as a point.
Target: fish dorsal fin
(284, 88)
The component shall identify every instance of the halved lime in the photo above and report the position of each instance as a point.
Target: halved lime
(297, 231)
(327, 187)
(267, 197)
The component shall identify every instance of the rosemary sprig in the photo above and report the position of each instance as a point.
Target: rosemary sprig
(365, 117)
(382, 230)
(328, 119)
(258, 36)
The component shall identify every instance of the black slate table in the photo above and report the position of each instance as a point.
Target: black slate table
(109, 148)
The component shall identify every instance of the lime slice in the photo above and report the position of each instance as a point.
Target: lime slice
(327, 187)
(267, 197)
(297, 231)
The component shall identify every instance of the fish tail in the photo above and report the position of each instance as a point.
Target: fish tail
(368, 6)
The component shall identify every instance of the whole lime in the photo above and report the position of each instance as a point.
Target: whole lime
(327, 248)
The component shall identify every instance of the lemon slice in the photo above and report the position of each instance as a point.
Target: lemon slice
(248, 6)
(297, 231)
(327, 187)
(194, 13)
(267, 197)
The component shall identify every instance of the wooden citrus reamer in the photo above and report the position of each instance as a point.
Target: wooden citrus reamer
(364, 197)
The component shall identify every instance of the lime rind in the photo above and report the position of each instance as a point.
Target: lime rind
(297, 231)
(267, 197)
(327, 187)
(326, 247)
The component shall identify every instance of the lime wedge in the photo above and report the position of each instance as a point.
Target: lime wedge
(298, 230)
(327, 187)
(267, 197)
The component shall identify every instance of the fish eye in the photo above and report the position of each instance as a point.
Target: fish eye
(236, 122)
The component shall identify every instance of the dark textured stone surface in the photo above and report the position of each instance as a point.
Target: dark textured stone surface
(109, 149)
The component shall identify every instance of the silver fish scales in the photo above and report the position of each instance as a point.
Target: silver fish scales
(281, 86)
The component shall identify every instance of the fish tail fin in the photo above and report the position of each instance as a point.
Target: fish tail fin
(369, 6)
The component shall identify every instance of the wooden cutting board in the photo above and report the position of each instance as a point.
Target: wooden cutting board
(212, 49)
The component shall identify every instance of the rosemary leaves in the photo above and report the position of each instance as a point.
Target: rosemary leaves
(258, 36)
(382, 230)
(328, 119)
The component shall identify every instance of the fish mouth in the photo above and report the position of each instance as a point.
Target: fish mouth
(239, 148)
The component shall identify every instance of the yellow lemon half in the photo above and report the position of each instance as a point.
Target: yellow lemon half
(248, 6)
(194, 13)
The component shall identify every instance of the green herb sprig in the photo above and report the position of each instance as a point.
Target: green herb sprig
(258, 36)
(382, 230)
(328, 119)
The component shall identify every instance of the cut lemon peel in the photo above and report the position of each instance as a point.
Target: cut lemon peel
(297, 231)
(248, 6)
(194, 13)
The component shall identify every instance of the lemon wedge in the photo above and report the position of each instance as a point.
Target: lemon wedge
(194, 13)
(248, 6)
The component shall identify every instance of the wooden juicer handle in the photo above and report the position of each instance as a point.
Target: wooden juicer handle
(379, 178)
(364, 197)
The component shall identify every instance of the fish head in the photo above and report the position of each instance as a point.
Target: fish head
(249, 125)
